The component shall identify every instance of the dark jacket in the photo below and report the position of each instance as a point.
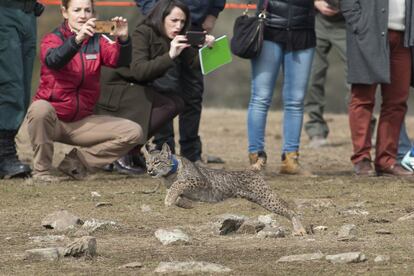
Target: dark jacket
(289, 14)
(368, 52)
(199, 9)
(70, 73)
(127, 91)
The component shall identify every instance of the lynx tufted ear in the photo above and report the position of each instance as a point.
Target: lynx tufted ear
(144, 151)
(166, 150)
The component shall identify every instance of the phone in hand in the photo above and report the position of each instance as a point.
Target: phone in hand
(195, 38)
(104, 26)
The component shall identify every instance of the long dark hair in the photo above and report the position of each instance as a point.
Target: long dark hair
(161, 10)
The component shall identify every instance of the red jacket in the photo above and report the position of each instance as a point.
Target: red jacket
(69, 77)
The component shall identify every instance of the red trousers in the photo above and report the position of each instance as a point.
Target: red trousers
(393, 108)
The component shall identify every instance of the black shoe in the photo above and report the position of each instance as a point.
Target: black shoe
(10, 167)
(125, 165)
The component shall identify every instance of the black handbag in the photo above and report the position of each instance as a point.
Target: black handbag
(248, 31)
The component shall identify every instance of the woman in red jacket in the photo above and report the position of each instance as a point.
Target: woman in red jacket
(71, 59)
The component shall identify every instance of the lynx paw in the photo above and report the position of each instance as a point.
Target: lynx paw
(298, 229)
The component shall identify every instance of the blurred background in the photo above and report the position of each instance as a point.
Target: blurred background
(229, 86)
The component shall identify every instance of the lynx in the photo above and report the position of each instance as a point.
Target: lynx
(188, 182)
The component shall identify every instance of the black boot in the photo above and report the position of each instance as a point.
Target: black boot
(125, 165)
(10, 165)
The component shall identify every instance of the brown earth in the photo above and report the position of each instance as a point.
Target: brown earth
(23, 204)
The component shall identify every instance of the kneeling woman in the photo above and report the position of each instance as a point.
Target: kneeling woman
(71, 59)
(148, 91)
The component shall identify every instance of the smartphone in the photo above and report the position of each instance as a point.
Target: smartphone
(104, 26)
(195, 38)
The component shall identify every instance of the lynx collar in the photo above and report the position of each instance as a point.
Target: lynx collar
(174, 166)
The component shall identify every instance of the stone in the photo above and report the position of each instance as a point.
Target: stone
(190, 267)
(42, 254)
(347, 232)
(61, 220)
(301, 257)
(354, 212)
(93, 225)
(344, 258)
(271, 232)
(323, 203)
(145, 208)
(320, 229)
(378, 220)
(382, 259)
(266, 219)
(131, 265)
(250, 227)
(85, 246)
(103, 204)
(228, 223)
(47, 238)
(383, 232)
(409, 216)
(173, 236)
(95, 194)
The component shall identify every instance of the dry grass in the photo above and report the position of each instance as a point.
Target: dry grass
(23, 205)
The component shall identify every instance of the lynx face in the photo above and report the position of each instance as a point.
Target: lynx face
(159, 162)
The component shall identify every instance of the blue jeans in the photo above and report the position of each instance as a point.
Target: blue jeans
(265, 69)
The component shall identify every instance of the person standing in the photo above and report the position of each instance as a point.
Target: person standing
(380, 41)
(17, 53)
(330, 33)
(289, 42)
(204, 14)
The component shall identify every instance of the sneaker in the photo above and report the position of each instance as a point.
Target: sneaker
(317, 142)
(408, 162)
(258, 160)
(125, 165)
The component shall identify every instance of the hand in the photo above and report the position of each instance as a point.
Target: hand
(325, 9)
(87, 30)
(209, 22)
(121, 30)
(177, 45)
(210, 41)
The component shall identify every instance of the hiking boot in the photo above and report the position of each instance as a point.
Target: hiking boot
(290, 163)
(317, 142)
(394, 170)
(10, 165)
(72, 165)
(257, 160)
(364, 168)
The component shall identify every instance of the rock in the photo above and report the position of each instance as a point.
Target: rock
(93, 225)
(383, 232)
(85, 246)
(382, 259)
(190, 267)
(266, 219)
(47, 238)
(131, 265)
(378, 220)
(103, 204)
(250, 227)
(354, 212)
(61, 220)
(344, 258)
(347, 232)
(314, 203)
(409, 216)
(301, 258)
(271, 232)
(145, 208)
(228, 223)
(42, 254)
(95, 194)
(319, 229)
(174, 236)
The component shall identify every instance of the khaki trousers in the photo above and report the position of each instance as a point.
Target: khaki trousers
(103, 139)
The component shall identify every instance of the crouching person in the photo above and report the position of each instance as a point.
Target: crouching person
(71, 59)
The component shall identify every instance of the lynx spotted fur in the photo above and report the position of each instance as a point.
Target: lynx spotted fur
(188, 182)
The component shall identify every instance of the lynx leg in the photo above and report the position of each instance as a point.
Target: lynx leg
(173, 194)
(183, 202)
(298, 229)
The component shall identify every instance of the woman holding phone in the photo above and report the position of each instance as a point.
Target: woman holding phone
(71, 58)
(150, 86)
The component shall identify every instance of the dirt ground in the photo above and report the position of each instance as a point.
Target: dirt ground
(378, 201)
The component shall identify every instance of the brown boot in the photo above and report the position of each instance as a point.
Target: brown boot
(72, 165)
(290, 164)
(257, 160)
